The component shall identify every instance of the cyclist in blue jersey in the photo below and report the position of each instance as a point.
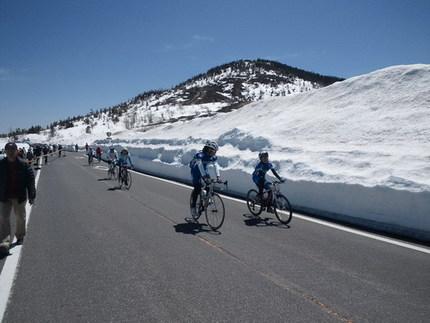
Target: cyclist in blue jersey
(259, 174)
(199, 170)
(124, 159)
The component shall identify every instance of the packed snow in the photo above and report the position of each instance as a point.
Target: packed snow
(357, 150)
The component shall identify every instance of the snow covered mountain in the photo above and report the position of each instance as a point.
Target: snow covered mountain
(221, 89)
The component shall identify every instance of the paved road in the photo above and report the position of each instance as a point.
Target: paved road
(97, 254)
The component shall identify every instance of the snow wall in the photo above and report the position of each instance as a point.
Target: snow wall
(398, 212)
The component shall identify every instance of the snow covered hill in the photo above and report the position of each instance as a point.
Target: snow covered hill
(359, 148)
(368, 130)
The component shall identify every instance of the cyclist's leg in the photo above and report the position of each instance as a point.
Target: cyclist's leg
(119, 172)
(259, 182)
(126, 176)
(195, 193)
(268, 188)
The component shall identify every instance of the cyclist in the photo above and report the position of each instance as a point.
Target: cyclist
(112, 155)
(199, 170)
(259, 174)
(123, 160)
(90, 153)
(99, 152)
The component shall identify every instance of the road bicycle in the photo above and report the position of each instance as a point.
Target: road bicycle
(124, 177)
(272, 199)
(211, 204)
(112, 173)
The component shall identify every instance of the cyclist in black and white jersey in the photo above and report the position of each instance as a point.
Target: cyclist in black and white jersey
(112, 155)
(199, 169)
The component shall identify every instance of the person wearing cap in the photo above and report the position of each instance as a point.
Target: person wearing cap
(17, 184)
(259, 174)
(199, 170)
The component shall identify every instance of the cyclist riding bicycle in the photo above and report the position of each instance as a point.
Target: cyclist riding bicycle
(99, 152)
(90, 153)
(259, 174)
(112, 156)
(199, 170)
(124, 159)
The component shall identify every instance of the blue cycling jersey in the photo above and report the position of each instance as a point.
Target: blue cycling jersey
(261, 169)
(199, 165)
(124, 159)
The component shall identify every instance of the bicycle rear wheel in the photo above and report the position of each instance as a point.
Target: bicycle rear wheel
(215, 212)
(254, 206)
(111, 173)
(283, 210)
(120, 178)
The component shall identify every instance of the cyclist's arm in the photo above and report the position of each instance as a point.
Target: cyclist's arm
(216, 168)
(201, 168)
(282, 180)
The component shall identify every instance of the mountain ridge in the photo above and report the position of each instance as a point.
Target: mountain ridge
(220, 89)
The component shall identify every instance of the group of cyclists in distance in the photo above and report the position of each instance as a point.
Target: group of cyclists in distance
(200, 175)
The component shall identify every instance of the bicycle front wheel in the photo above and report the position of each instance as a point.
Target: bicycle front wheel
(253, 203)
(283, 210)
(127, 180)
(215, 212)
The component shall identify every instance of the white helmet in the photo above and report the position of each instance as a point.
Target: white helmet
(212, 145)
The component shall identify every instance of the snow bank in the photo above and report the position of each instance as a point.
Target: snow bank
(358, 150)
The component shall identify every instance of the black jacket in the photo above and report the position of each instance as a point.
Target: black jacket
(26, 183)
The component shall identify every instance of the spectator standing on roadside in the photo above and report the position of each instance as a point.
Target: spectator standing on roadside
(16, 185)
(45, 153)
(37, 152)
(30, 156)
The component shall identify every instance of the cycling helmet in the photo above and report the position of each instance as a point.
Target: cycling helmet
(111, 149)
(124, 151)
(263, 154)
(212, 145)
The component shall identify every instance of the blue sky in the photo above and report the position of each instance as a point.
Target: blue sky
(62, 58)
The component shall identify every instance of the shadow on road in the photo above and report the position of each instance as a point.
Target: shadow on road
(193, 227)
(256, 221)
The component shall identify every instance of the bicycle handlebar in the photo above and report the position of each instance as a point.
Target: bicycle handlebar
(278, 182)
(211, 180)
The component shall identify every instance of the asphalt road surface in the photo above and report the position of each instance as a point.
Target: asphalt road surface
(94, 253)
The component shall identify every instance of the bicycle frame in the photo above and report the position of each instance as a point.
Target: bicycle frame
(273, 192)
(208, 189)
(112, 165)
(122, 172)
(211, 204)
